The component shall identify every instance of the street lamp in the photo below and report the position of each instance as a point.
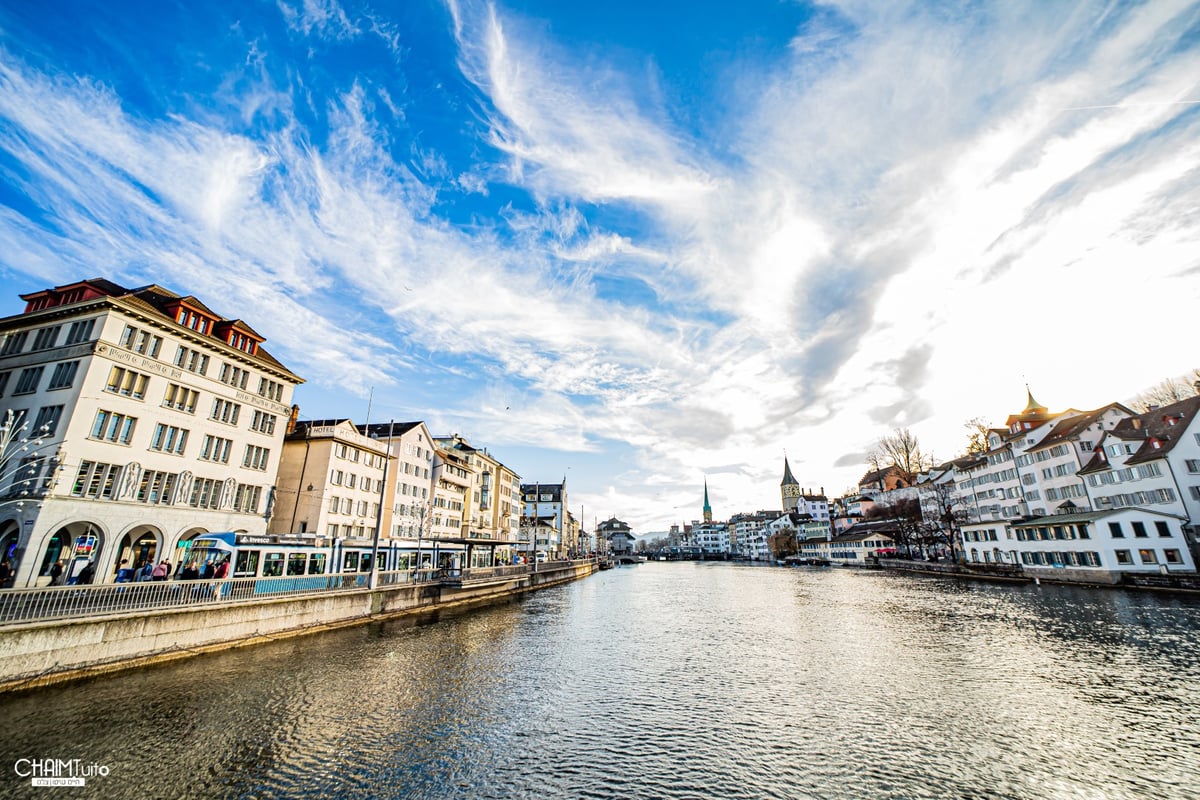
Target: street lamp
(26, 473)
(387, 456)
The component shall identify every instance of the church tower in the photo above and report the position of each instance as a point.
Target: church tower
(789, 489)
(707, 507)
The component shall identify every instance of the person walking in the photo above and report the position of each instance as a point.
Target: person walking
(56, 573)
(161, 571)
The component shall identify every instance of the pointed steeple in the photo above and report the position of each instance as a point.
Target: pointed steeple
(788, 479)
(1033, 406)
(707, 507)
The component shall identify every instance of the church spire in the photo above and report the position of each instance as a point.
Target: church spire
(788, 480)
(707, 507)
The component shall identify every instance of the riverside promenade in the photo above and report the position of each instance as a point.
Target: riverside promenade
(51, 635)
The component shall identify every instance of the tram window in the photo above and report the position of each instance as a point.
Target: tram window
(272, 565)
(247, 563)
(365, 564)
(350, 562)
(295, 563)
(316, 564)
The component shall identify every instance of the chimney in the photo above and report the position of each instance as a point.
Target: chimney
(295, 415)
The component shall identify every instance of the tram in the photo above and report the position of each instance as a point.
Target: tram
(269, 556)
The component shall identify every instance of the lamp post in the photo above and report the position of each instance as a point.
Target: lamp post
(20, 479)
(387, 456)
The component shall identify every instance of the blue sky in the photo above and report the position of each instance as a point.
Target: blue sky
(633, 244)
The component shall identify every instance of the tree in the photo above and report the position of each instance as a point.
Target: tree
(901, 451)
(977, 433)
(951, 514)
(907, 522)
(1170, 390)
(783, 543)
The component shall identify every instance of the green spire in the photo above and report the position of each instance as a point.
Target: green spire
(788, 480)
(707, 507)
(1033, 406)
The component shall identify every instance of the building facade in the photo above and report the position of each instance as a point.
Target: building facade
(157, 419)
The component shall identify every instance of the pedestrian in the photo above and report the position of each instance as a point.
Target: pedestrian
(209, 571)
(56, 573)
(146, 572)
(6, 574)
(160, 571)
(222, 569)
(86, 574)
(190, 571)
(124, 573)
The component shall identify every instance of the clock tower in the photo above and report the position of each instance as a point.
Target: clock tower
(789, 489)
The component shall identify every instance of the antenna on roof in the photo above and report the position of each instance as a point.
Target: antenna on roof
(370, 400)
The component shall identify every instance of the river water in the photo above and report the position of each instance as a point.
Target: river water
(666, 680)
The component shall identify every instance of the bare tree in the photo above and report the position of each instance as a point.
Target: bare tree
(951, 513)
(902, 451)
(1170, 390)
(977, 433)
(783, 543)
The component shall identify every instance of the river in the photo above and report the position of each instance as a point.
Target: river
(666, 680)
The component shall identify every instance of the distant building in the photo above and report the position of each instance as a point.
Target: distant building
(618, 535)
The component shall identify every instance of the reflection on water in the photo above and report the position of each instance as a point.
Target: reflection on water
(668, 680)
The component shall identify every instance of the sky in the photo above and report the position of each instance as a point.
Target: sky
(638, 246)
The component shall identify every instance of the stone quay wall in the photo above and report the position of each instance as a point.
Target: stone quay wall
(41, 653)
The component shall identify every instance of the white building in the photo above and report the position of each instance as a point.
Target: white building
(161, 418)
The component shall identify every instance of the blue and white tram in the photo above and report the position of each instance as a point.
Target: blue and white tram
(294, 556)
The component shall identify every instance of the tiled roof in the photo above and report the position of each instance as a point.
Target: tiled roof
(1161, 429)
(1070, 427)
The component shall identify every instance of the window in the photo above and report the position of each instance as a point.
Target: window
(63, 375)
(335, 505)
(1139, 530)
(1123, 557)
(206, 493)
(1114, 528)
(113, 427)
(46, 338)
(1162, 528)
(14, 343)
(270, 389)
(256, 457)
(248, 498)
(264, 423)
(335, 477)
(1172, 557)
(192, 361)
(28, 381)
(157, 487)
(127, 382)
(1194, 491)
(80, 331)
(168, 439)
(95, 480)
(226, 411)
(4, 376)
(234, 376)
(47, 417)
(1147, 556)
(214, 448)
(140, 341)
(181, 398)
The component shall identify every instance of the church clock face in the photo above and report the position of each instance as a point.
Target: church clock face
(791, 491)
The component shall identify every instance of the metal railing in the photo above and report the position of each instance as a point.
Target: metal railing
(67, 602)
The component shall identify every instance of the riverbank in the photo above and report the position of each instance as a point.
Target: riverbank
(1097, 579)
(36, 654)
